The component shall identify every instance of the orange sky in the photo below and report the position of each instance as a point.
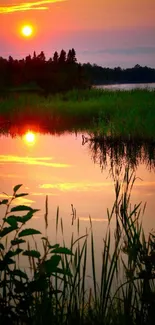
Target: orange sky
(87, 25)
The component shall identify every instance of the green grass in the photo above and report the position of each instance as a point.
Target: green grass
(119, 113)
(55, 290)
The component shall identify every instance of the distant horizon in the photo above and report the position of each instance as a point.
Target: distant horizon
(23, 56)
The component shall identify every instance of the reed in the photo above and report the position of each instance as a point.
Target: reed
(119, 113)
(54, 289)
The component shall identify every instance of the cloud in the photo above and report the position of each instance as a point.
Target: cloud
(79, 186)
(41, 161)
(43, 194)
(125, 51)
(10, 175)
(35, 5)
(20, 200)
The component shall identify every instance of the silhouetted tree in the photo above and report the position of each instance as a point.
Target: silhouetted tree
(55, 57)
(62, 57)
(71, 56)
(34, 55)
(28, 58)
(41, 57)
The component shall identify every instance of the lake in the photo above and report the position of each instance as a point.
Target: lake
(150, 86)
(69, 171)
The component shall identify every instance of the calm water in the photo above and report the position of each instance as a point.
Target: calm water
(150, 86)
(64, 169)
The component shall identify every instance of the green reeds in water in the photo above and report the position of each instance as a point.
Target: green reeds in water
(56, 290)
(118, 113)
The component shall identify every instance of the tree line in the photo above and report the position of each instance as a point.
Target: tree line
(59, 73)
(62, 72)
(100, 75)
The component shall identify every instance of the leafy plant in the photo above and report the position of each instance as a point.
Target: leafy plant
(21, 295)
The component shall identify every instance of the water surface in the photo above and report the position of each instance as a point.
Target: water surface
(64, 169)
(72, 171)
(131, 86)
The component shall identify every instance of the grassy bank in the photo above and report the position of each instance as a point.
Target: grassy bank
(120, 113)
(55, 291)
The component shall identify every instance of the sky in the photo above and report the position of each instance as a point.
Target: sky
(109, 33)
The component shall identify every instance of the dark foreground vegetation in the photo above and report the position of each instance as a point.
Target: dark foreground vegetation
(52, 288)
(126, 114)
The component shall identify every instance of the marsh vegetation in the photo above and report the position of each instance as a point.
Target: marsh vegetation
(53, 290)
(128, 114)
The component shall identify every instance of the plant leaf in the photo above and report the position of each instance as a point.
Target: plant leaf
(18, 218)
(21, 208)
(16, 188)
(51, 265)
(20, 273)
(5, 262)
(62, 250)
(54, 246)
(12, 221)
(28, 232)
(20, 195)
(29, 215)
(6, 230)
(32, 253)
(17, 241)
(4, 202)
(13, 253)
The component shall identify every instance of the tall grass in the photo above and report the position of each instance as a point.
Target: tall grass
(125, 113)
(56, 291)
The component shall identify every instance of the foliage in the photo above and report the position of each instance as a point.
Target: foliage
(22, 295)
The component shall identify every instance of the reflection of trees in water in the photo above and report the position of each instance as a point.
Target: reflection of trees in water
(119, 152)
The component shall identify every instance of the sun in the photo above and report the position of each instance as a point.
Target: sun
(30, 137)
(27, 30)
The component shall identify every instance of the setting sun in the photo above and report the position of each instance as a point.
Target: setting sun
(30, 137)
(27, 30)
